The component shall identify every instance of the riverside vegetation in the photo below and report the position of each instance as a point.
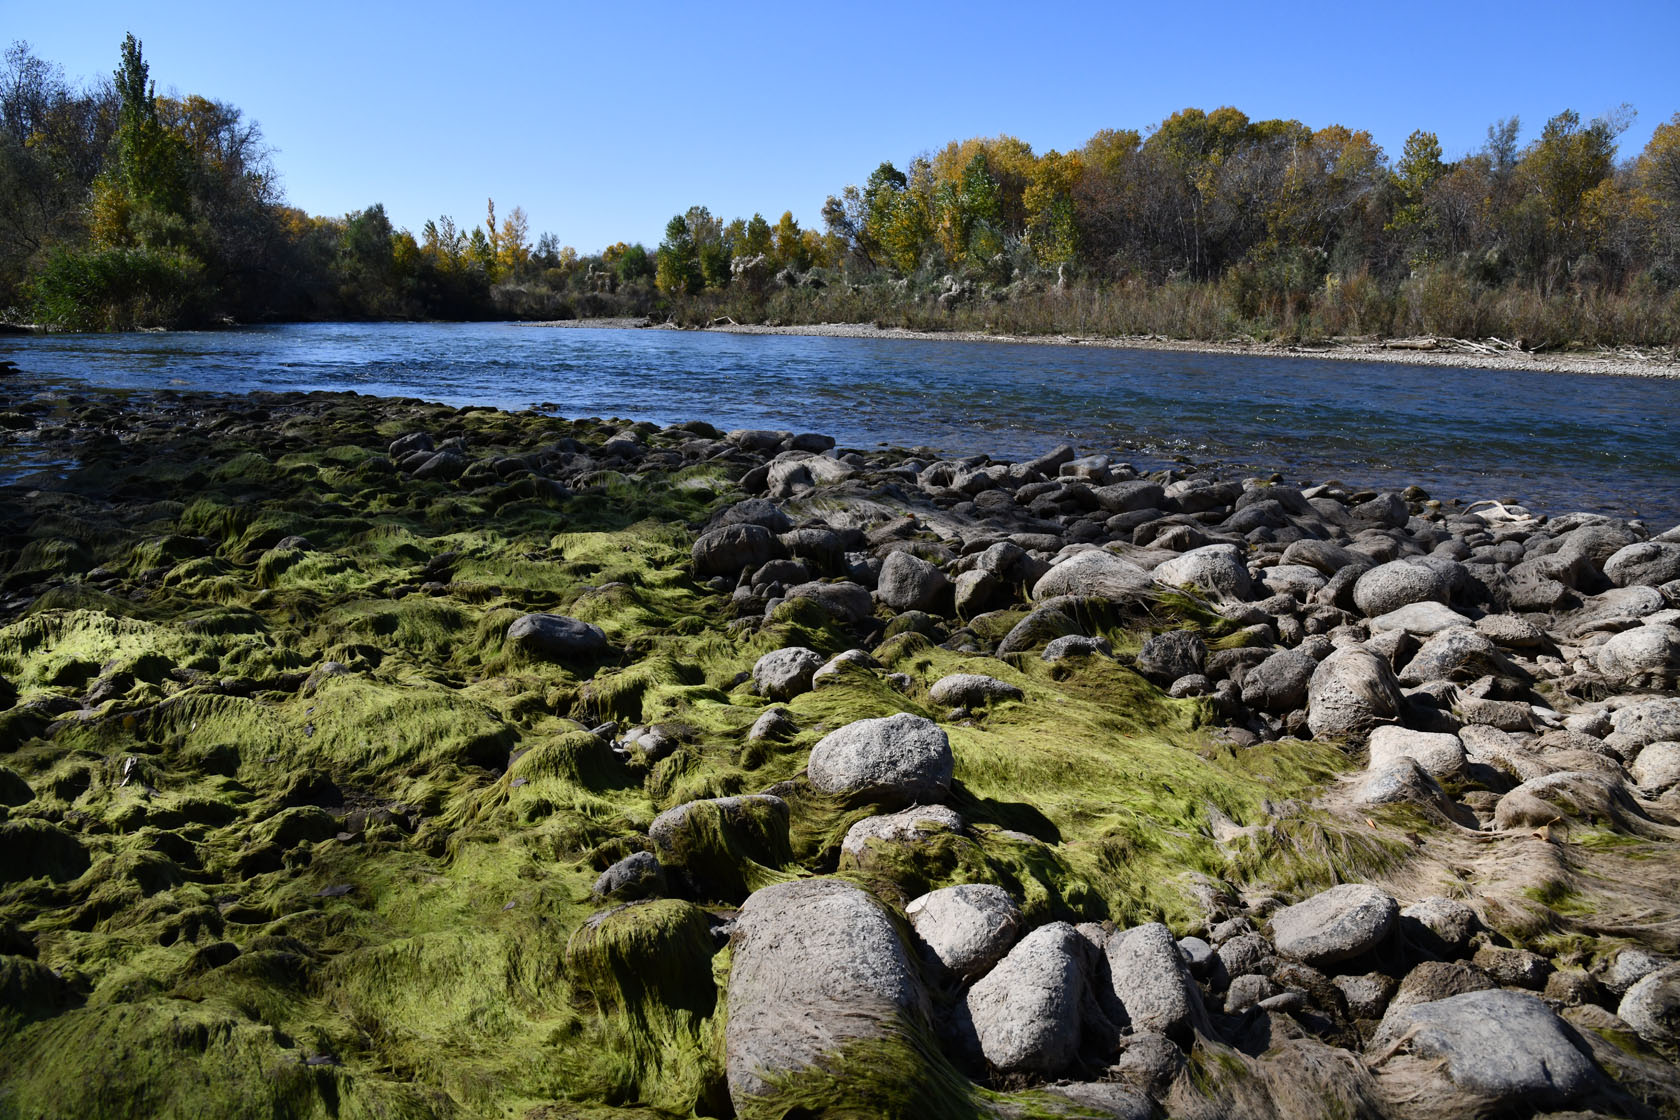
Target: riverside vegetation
(369, 757)
(123, 209)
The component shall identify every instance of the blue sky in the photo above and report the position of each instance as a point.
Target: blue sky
(603, 120)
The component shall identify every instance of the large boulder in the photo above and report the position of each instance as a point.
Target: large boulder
(1644, 563)
(892, 760)
(967, 928)
(1335, 925)
(846, 601)
(1352, 691)
(1166, 657)
(817, 964)
(556, 637)
(1152, 982)
(1216, 569)
(1093, 574)
(1652, 1006)
(1026, 1011)
(1455, 654)
(1644, 654)
(1390, 586)
(1279, 683)
(784, 673)
(909, 583)
(1441, 754)
(1506, 1049)
(727, 549)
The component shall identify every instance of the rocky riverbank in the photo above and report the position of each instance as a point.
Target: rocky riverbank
(367, 756)
(1455, 353)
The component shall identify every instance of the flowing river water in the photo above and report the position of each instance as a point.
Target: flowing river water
(1555, 442)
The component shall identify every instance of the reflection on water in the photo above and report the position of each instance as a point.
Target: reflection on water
(1557, 441)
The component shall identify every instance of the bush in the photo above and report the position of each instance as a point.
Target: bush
(120, 289)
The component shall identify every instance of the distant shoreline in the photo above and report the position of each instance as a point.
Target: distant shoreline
(1623, 362)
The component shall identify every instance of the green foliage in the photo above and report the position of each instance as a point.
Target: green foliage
(119, 289)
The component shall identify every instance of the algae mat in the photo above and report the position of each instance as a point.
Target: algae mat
(289, 829)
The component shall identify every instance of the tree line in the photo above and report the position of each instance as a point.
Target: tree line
(121, 208)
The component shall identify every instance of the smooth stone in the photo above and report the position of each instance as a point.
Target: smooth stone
(556, 636)
(903, 758)
(968, 927)
(1334, 925)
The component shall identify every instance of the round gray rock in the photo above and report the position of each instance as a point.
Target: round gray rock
(1093, 574)
(1652, 1006)
(968, 927)
(1352, 691)
(909, 583)
(1279, 683)
(725, 550)
(1440, 754)
(556, 637)
(817, 963)
(1640, 654)
(1657, 769)
(895, 759)
(909, 826)
(1215, 569)
(785, 673)
(1026, 1010)
(1644, 563)
(1506, 1047)
(971, 690)
(1334, 925)
(1390, 586)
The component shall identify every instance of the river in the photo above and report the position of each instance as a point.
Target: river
(1556, 442)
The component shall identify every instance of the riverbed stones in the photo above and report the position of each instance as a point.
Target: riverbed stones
(1026, 1011)
(637, 875)
(1505, 1048)
(890, 760)
(1657, 769)
(1168, 656)
(722, 845)
(1643, 563)
(556, 637)
(1442, 926)
(1335, 925)
(1279, 683)
(817, 963)
(785, 673)
(968, 927)
(1644, 655)
(909, 583)
(1352, 691)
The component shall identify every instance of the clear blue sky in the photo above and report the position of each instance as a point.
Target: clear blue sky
(602, 120)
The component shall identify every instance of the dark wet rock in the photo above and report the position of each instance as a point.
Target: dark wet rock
(1440, 926)
(785, 673)
(637, 875)
(727, 549)
(753, 511)
(967, 928)
(971, 690)
(1335, 925)
(13, 789)
(445, 465)
(817, 963)
(1166, 657)
(1279, 683)
(846, 601)
(1041, 626)
(895, 759)
(1505, 1048)
(1352, 691)
(556, 637)
(1026, 1011)
(907, 582)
